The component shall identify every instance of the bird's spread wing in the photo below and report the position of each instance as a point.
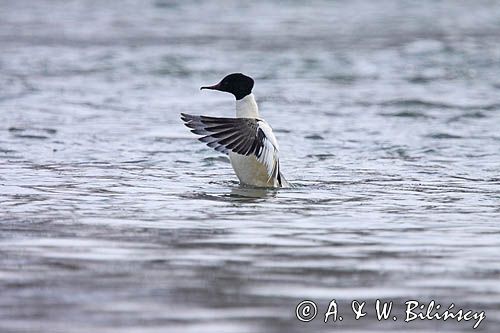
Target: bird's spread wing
(245, 136)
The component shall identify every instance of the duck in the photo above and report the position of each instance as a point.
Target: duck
(247, 139)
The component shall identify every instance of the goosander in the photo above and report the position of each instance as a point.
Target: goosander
(247, 139)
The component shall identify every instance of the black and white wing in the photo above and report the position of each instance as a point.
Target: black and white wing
(244, 136)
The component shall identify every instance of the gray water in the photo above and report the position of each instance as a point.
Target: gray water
(114, 218)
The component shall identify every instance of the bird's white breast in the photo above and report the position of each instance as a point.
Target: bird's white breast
(250, 171)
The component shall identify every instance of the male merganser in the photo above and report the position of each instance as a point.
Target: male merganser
(247, 139)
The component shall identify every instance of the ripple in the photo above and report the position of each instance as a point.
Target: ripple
(314, 137)
(417, 103)
(469, 115)
(406, 114)
(321, 157)
(212, 160)
(420, 103)
(443, 136)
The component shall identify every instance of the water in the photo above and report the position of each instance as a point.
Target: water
(115, 219)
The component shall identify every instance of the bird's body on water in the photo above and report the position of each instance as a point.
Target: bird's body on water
(247, 139)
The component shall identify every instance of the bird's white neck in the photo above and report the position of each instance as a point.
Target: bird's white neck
(247, 107)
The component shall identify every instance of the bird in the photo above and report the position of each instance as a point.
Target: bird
(248, 139)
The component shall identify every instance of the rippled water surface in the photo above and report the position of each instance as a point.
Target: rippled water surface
(115, 219)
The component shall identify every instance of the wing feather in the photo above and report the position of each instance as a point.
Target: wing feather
(245, 136)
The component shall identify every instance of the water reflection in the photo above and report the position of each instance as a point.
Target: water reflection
(251, 194)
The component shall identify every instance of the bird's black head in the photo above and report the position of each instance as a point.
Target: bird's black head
(237, 84)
